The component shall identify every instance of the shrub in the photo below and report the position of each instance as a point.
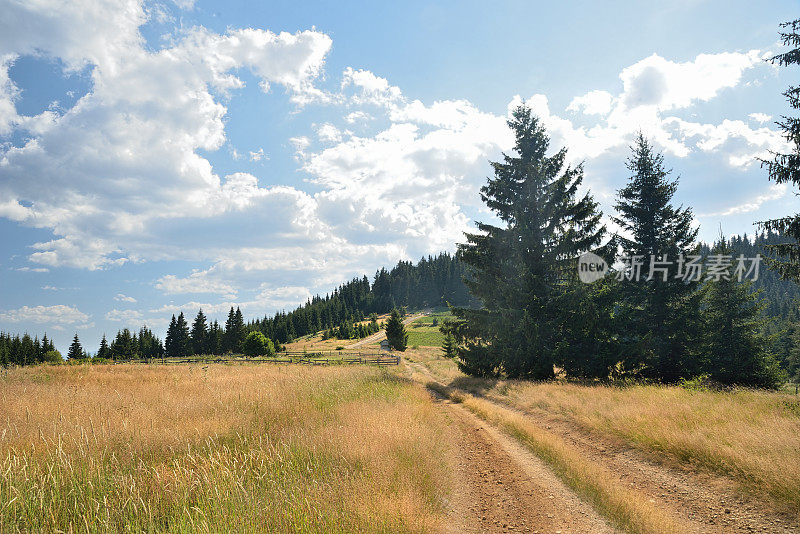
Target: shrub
(53, 356)
(257, 344)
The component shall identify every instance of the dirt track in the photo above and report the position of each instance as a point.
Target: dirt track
(503, 487)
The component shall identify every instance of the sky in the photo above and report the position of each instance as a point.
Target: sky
(159, 156)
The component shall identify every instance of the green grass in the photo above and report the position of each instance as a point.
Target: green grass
(424, 336)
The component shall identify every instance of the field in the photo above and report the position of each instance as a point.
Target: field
(291, 448)
(218, 448)
(423, 333)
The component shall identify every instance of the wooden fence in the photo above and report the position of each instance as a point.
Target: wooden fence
(305, 358)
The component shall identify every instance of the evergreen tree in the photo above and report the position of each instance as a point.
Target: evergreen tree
(231, 335)
(519, 271)
(736, 350)
(182, 340)
(199, 333)
(171, 344)
(785, 167)
(214, 341)
(449, 343)
(75, 350)
(103, 352)
(396, 332)
(659, 312)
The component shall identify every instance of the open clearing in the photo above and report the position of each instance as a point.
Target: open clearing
(414, 448)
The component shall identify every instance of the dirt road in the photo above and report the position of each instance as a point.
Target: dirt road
(501, 487)
(377, 336)
(503, 483)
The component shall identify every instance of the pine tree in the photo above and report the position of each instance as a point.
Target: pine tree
(182, 339)
(171, 341)
(659, 316)
(519, 271)
(449, 345)
(214, 339)
(785, 167)
(75, 350)
(736, 349)
(199, 333)
(103, 352)
(230, 335)
(396, 332)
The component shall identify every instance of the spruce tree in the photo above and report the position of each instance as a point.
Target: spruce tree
(182, 339)
(520, 271)
(785, 166)
(103, 352)
(659, 312)
(75, 350)
(736, 351)
(396, 332)
(199, 333)
(449, 345)
(214, 339)
(230, 335)
(171, 341)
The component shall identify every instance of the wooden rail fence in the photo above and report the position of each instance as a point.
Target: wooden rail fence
(310, 358)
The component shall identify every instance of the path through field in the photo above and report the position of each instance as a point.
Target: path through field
(504, 487)
(380, 334)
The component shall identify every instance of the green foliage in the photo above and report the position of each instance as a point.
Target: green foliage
(449, 343)
(257, 344)
(520, 271)
(396, 332)
(199, 334)
(76, 351)
(659, 316)
(785, 166)
(736, 351)
(178, 343)
(53, 356)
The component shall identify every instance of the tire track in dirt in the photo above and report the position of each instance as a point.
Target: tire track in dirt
(702, 501)
(500, 487)
(709, 502)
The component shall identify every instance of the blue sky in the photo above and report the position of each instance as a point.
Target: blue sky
(162, 156)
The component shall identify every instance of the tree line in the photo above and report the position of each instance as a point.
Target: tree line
(433, 281)
(538, 319)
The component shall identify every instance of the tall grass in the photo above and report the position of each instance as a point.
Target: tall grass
(753, 437)
(218, 448)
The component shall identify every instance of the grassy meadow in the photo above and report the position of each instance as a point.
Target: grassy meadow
(751, 436)
(423, 333)
(218, 448)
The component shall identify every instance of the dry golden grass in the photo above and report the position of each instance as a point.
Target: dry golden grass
(630, 510)
(751, 436)
(218, 448)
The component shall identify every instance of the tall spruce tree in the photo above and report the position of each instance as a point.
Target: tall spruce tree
(171, 341)
(230, 336)
(199, 333)
(521, 272)
(785, 166)
(103, 352)
(659, 312)
(214, 339)
(182, 339)
(396, 332)
(75, 350)
(736, 351)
